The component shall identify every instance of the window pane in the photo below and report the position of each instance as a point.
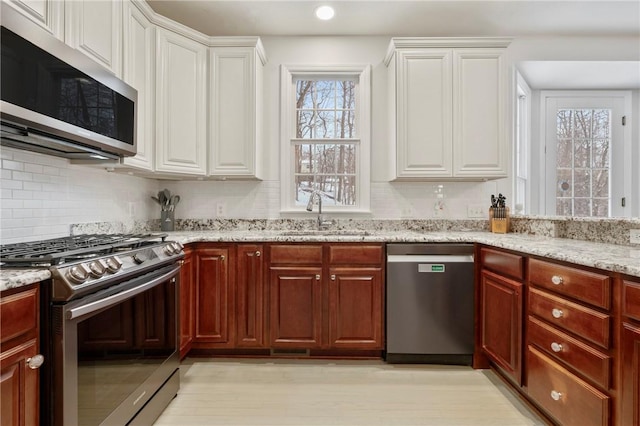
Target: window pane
(302, 158)
(564, 153)
(582, 123)
(324, 159)
(582, 153)
(601, 183)
(325, 124)
(601, 153)
(346, 161)
(601, 123)
(305, 126)
(564, 187)
(582, 183)
(600, 207)
(563, 207)
(346, 95)
(304, 186)
(582, 207)
(565, 121)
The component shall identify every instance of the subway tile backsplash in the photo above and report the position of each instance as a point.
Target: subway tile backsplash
(41, 196)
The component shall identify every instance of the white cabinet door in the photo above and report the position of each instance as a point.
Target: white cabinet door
(139, 72)
(95, 28)
(180, 104)
(235, 119)
(49, 14)
(479, 111)
(423, 108)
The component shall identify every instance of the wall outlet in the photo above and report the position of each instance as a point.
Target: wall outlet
(634, 236)
(221, 209)
(477, 210)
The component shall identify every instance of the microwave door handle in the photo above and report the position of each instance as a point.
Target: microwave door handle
(119, 297)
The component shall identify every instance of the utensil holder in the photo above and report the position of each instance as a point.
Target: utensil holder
(167, 220)
(499, 219)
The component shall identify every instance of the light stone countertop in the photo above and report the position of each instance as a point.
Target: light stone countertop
(609, 257)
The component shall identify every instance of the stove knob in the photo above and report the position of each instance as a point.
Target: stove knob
(178, 246)
(113, 265)
(169, 249)
(96, 269)
(138, 258)
(77, 274)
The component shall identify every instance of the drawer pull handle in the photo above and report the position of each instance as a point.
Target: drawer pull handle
(555, 395)
(557, 279)
(557, 313)
(318, 277)
(35, 362)
(333, 277)
(556, 347)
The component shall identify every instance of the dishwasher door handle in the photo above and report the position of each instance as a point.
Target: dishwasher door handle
(428, 258)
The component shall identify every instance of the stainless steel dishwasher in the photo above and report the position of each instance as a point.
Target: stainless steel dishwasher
(430, 303)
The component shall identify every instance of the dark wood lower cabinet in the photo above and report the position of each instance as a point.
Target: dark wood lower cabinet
(214, 297)
(355, 308)
(250, 296)
(630, 365)
(19, 384)
(187, 297)
(501, 315)
(296, 307)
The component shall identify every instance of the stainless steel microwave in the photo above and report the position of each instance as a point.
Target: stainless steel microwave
(57, 101)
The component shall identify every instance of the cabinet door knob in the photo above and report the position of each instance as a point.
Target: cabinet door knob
(556, 347)
(35, 361)
(557, 313)
(222, 258)
(258, 254)
(557, 279)
(318, 277)
(555, 395)
(333, 277)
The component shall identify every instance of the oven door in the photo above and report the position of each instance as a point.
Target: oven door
(113, 350)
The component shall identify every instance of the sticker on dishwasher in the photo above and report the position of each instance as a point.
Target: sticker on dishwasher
(430, 267)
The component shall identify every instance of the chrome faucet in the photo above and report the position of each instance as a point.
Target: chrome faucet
(321, 222)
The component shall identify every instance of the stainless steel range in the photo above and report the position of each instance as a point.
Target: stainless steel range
(109, 326)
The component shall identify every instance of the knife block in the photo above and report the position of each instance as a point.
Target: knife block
(499, 220)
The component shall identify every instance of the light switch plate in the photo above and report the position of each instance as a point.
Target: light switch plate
(634, 236)
(477, 210)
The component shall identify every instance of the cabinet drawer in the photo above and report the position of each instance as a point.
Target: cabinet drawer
(631, 299)
(508, 264)
(563, 395)
(580, 320)
(19, 314)
(585, 286)
(583, 358)
(355, 254)
(296, 254)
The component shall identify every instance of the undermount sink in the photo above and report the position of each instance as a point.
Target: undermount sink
(328, 232)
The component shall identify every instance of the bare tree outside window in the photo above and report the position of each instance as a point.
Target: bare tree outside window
(325, 152)
(583, 162)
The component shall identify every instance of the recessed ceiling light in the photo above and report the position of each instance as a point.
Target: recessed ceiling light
(325, 13)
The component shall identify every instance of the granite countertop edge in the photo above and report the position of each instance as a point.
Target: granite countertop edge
(609, 257)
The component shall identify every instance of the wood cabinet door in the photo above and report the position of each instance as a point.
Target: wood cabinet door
(213, 297)
(630, 366)
(479, 111)
(95, 29)
(296, 307)
(250, 297)
(355, 308)
(501, 316)
(423, 113)
(19, 394)
(186, 303)
(181, 104)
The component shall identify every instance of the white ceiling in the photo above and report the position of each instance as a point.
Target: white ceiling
(406, 18)
(568, 75)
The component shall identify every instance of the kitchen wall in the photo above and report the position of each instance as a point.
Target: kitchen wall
(43, 195)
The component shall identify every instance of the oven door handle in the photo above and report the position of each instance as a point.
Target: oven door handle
(119, 297)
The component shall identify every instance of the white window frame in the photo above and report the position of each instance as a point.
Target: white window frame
(362, 75)
(547, 167)
(522, 136)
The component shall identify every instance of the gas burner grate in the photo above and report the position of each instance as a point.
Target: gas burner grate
(58, 250)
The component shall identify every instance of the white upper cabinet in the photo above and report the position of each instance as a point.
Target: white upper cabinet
(448, 108)
(139, 72)
(49, 14)
(181, 109)
(95, 28)
(235, 119)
